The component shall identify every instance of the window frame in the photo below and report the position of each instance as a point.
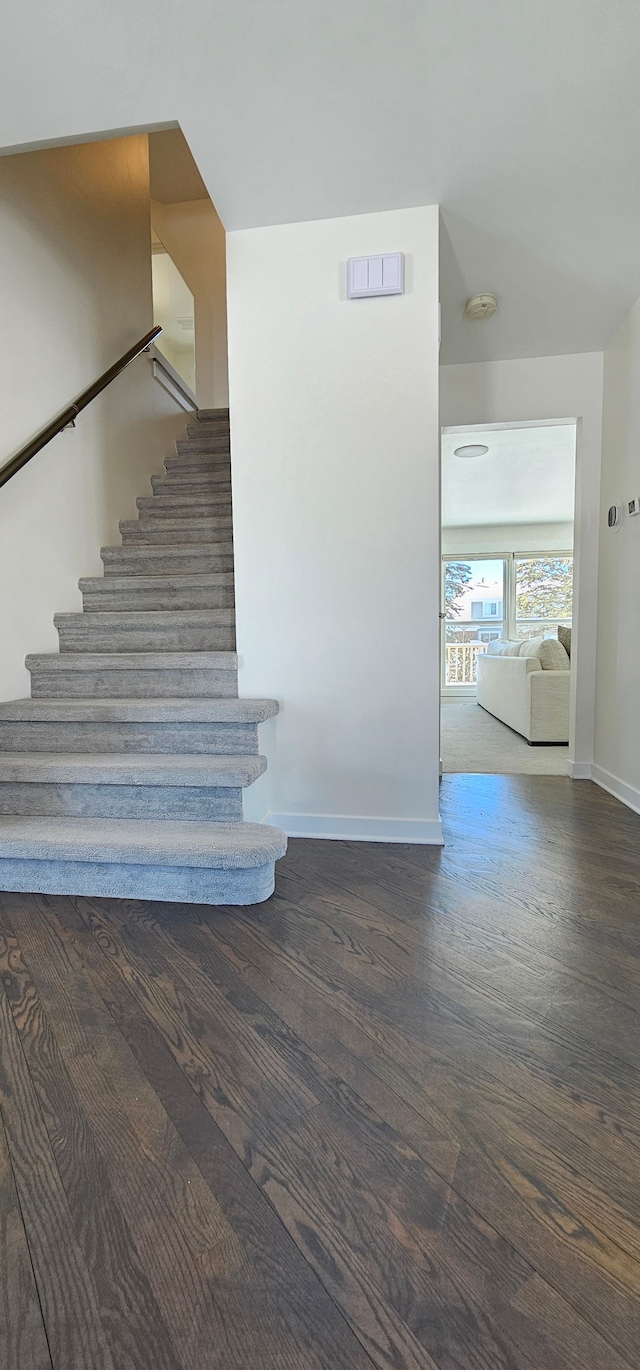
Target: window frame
(508, 621)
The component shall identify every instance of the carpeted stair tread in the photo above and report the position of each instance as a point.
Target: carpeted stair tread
(213, 415)
(217, 444)
(84, 768)
(193, 480)
(146, 630)
(182, 505)
(191, 520)
(132, 661)
(201, 462)
(198, 526)
(210, 579)
(226, 710)
(198, 432)
(134, 618)
(141, 558)
(196, 580)
(217, 846)
(168, 593)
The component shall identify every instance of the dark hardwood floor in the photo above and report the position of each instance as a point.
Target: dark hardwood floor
(389, 1118)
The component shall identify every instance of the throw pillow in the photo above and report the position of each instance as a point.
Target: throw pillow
(552, 655)
(531, 647)
(564, 636)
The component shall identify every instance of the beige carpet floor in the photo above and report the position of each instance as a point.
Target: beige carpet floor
(474, 741)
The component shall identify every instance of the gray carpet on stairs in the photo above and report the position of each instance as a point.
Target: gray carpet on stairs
(123, 774)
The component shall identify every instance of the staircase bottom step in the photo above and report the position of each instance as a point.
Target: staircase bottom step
(171, 884)
(203, 863)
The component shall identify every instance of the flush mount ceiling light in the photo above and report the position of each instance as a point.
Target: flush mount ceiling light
(481, 306)
(472, 449)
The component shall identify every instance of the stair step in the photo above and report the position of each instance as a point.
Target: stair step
(169, 786)
(208, 803)
(126, 675)
(189, 630)
(157, 739)
(194, 862)
(107, 594)
(77, 768)
(183, 505)
(200, 462)
(180, 558)
(215, 444)
(212, 428)
(191, 483)
(221, 710)
(173, 530)
(212, 415)
(222, 727)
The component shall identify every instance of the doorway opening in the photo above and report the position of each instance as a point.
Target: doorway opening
(508, 496)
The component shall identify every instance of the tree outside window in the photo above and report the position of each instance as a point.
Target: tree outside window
(544, 588)
(457, 576)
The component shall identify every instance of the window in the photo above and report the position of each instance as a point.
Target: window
(524, 596)
(543, 594)
(474, 590)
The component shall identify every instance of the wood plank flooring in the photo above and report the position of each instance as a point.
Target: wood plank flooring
(389, 1118)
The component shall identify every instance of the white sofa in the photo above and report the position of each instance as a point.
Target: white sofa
(526, 685)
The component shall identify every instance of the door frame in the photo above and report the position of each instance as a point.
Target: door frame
(576, 694)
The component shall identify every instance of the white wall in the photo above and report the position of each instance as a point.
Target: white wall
(551, 388)
(617, 743)
(194, 237)
(75, 292)
(173, 309)
(501, 537)
(334, 420)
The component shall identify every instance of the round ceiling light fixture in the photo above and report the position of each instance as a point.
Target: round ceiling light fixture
(472, 449)
(481, 306)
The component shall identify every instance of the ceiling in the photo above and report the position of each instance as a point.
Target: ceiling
(521, 120)
(527, 476)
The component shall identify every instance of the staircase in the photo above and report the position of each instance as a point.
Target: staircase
(123, 774)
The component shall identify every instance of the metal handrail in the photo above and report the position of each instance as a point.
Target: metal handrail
(69, 415)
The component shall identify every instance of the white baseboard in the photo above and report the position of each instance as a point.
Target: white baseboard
(579, 770)
(627, 794)
(339, 828)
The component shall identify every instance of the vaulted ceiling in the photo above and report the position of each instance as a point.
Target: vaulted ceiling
(521, 120)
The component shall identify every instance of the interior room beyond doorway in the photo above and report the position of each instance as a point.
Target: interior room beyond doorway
(507, 589)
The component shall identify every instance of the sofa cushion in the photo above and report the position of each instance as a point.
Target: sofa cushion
(564, 636)
(549, 652)
(501, 648)
(531, 646)
(552, 655)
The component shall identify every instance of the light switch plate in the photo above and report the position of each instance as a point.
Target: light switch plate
(381, 275)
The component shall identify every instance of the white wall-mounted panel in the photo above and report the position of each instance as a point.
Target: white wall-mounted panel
(378, 275)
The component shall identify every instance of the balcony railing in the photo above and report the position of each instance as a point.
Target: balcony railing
(460, 662)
